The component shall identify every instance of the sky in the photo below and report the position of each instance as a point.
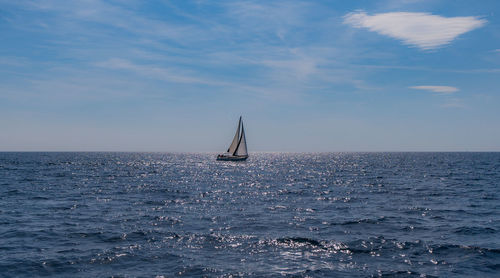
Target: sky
(307, 76)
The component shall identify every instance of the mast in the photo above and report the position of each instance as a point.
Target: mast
(234, 144)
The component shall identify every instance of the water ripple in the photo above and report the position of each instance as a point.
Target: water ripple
(295, 215)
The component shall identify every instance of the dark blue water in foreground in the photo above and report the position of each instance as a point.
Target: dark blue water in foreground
(297, 215)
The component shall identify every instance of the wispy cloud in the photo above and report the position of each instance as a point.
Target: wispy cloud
(423, 30)
(150, 71)
(277, 17)
(436, 89)
(454, 103)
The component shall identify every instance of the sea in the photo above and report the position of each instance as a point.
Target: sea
(86, 214)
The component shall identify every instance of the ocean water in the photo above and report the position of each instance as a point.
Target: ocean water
(275, 215)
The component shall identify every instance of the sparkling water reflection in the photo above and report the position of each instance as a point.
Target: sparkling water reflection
(319, 215)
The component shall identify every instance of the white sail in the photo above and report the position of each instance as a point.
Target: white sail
(234, 144)
(241, 149)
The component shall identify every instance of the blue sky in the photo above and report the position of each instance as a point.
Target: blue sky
(306, 75)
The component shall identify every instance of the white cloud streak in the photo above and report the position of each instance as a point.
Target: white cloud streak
(423, 30)
(437, 89)
(454, 103)
(150, 71)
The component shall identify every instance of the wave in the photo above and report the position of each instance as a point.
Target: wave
(474, 230)
(363, 221)
(299, 241)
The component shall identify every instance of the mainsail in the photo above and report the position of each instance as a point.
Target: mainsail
(241, 149)
(236, 139)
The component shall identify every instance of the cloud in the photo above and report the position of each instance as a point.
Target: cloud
(423, 30)
(277, 18)
(454, 103)
(157, 72)
(437, 89)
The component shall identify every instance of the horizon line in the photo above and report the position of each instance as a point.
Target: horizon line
(255, 152)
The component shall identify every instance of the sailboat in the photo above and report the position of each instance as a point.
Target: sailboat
(237, 151)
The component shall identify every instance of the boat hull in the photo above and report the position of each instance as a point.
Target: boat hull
(232, 158)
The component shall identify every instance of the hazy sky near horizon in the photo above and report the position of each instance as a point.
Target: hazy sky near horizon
(129, 75)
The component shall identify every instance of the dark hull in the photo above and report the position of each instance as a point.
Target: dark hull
(232, 158)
